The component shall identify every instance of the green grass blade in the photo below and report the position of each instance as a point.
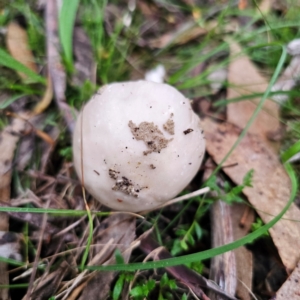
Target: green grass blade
(89, 240)
(8, 61)
(52, 211)
(14, 286)
(224, 102)
(10, 100)
(11, 261)
(289, 153)
(67, 17)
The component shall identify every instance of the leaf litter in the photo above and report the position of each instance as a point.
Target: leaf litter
(271, 185)
(61, 191)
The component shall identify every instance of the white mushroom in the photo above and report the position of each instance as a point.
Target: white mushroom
(139, 144)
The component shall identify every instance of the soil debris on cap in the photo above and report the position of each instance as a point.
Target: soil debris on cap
(123, 184)
(150, 134)
(113, 174)
(169, 126)
(188, 131)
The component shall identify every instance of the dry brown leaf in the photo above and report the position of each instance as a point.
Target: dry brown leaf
(290, 289)
(185, 33)
(149, 10)
(271, 184)
(244, 79)
(243, 4)
(18, 46)
(265, 6)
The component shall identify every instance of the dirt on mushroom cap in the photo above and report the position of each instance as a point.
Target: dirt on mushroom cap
(151, 135)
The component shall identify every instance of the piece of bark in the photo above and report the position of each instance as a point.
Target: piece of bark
(244, 79)
(56, 69)
(271, 184)
(222, 267)
(183, 274)
(239, 218)
(291, 288)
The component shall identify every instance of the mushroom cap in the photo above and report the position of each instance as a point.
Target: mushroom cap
(141, 145)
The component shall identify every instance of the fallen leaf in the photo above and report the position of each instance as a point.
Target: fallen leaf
(149, 10)
(243, 4)
(290, 289)
(271, 184)
(185, 33)
(265, 6)
(244, 79)
(18, 46)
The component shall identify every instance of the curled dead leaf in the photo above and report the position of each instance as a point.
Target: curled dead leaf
(18, 46)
